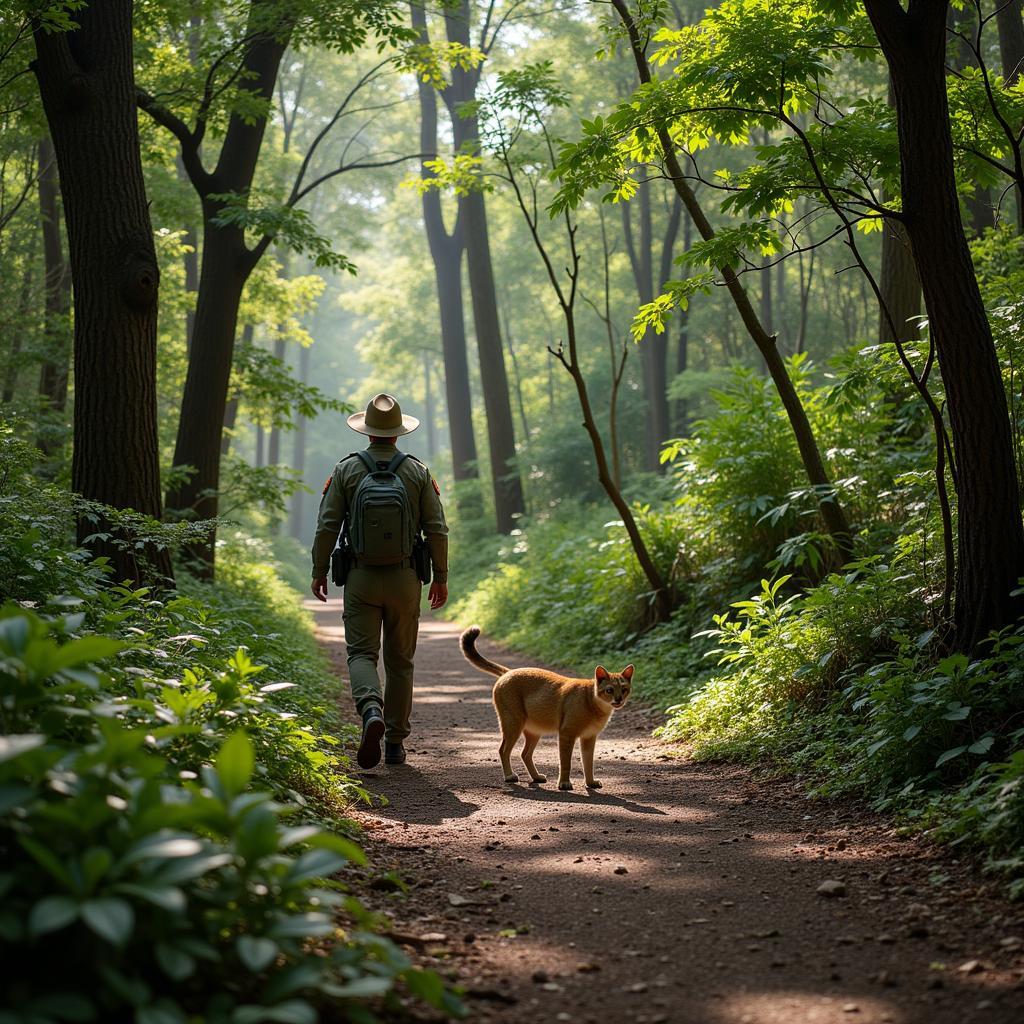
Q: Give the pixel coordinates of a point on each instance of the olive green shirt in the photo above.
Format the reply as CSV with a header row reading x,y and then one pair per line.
x,y
424,495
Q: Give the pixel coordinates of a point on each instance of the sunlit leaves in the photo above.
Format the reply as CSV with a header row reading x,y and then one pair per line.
x,y
461,176
432,61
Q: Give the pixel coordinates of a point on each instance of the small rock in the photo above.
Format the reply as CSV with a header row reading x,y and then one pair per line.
x,y
831,888
433,937
1011,942
588,968
886,940
851,1008
539,977
551,986
637,988
973,967
455,900
841,845
621,870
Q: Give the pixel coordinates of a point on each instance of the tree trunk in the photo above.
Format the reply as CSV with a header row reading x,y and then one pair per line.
x,y
900,286
53,373
1011,38
428,408
681,411
225,267
832,513
20,324
446,253
190,261
506,481
297,526
990,539
86,82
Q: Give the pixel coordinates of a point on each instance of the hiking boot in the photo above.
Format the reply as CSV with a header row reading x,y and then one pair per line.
x,y
394,753
368,755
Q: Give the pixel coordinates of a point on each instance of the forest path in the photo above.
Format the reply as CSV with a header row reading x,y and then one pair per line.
x,y
715,918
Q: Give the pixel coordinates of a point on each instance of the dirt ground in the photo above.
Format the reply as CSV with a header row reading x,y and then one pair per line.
x,y
680,893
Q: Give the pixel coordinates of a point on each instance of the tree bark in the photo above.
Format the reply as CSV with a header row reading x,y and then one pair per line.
x,y
1011,38
226,265
20,324
990,538
446,254
190,261
506,481
900,286
86,81
681,419
53,373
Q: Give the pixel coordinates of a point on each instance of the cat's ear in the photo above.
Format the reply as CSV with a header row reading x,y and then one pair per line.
x,y
627,672
601,673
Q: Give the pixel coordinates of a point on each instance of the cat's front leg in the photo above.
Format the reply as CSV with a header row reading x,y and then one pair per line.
x,y
587,746
566,742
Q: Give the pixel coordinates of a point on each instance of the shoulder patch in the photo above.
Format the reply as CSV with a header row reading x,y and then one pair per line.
x,y
436,486
327,485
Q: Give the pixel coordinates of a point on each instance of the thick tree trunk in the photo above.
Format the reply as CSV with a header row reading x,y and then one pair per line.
x,y
53,373
900,286
446,253
990,539
225,267
87,85
506,482
1011,38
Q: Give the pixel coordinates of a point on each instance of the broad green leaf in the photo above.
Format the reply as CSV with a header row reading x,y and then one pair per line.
x,y
110,918
51,914
949,755
256,952
236,762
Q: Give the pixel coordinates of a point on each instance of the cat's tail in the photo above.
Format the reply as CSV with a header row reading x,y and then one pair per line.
x,y
468,644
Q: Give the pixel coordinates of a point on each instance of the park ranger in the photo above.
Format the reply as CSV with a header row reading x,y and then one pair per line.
x,y
381,597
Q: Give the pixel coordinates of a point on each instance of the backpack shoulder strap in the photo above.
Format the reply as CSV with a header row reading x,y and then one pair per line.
x,y
396,460
367,460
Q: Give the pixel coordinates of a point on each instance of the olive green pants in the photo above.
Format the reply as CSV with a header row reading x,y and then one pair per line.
x,y
383,599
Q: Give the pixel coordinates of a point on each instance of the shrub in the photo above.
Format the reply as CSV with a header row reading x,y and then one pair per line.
x,y
167,878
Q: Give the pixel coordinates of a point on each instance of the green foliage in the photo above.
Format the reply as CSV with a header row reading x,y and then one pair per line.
x,y
168,765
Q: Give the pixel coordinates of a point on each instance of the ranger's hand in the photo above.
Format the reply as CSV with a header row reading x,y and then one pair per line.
x,y
319,588
438,594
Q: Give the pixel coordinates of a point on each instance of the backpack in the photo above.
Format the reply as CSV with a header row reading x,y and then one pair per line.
x,y
381,523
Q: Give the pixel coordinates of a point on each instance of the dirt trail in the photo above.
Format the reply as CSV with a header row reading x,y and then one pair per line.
x,y
680,893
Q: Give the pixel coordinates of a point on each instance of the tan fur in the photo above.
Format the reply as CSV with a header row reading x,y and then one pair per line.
x,y
533,702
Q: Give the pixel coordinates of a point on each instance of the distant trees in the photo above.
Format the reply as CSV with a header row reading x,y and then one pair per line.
x,y
86,81
470,235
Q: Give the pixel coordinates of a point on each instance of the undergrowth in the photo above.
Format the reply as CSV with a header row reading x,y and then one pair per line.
x,y
174,795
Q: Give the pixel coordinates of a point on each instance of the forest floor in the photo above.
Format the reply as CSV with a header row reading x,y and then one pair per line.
x,y
680,893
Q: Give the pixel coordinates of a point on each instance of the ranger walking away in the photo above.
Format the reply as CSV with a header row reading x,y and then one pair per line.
x,y
376,508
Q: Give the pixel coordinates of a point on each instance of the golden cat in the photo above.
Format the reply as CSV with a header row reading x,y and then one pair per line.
x,y
534,702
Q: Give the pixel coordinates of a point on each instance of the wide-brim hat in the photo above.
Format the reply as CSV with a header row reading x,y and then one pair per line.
x,y
383,418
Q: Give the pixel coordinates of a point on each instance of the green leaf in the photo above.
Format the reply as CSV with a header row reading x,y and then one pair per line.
x,y
173,962
982,746
88,649
14,746
256,952
949,755
911,732
51,914
165,897
236,762
110,918
164,1012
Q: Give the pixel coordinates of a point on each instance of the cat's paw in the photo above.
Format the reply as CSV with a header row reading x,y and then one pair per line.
x,y
565,785
512,778
540,778
593,784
